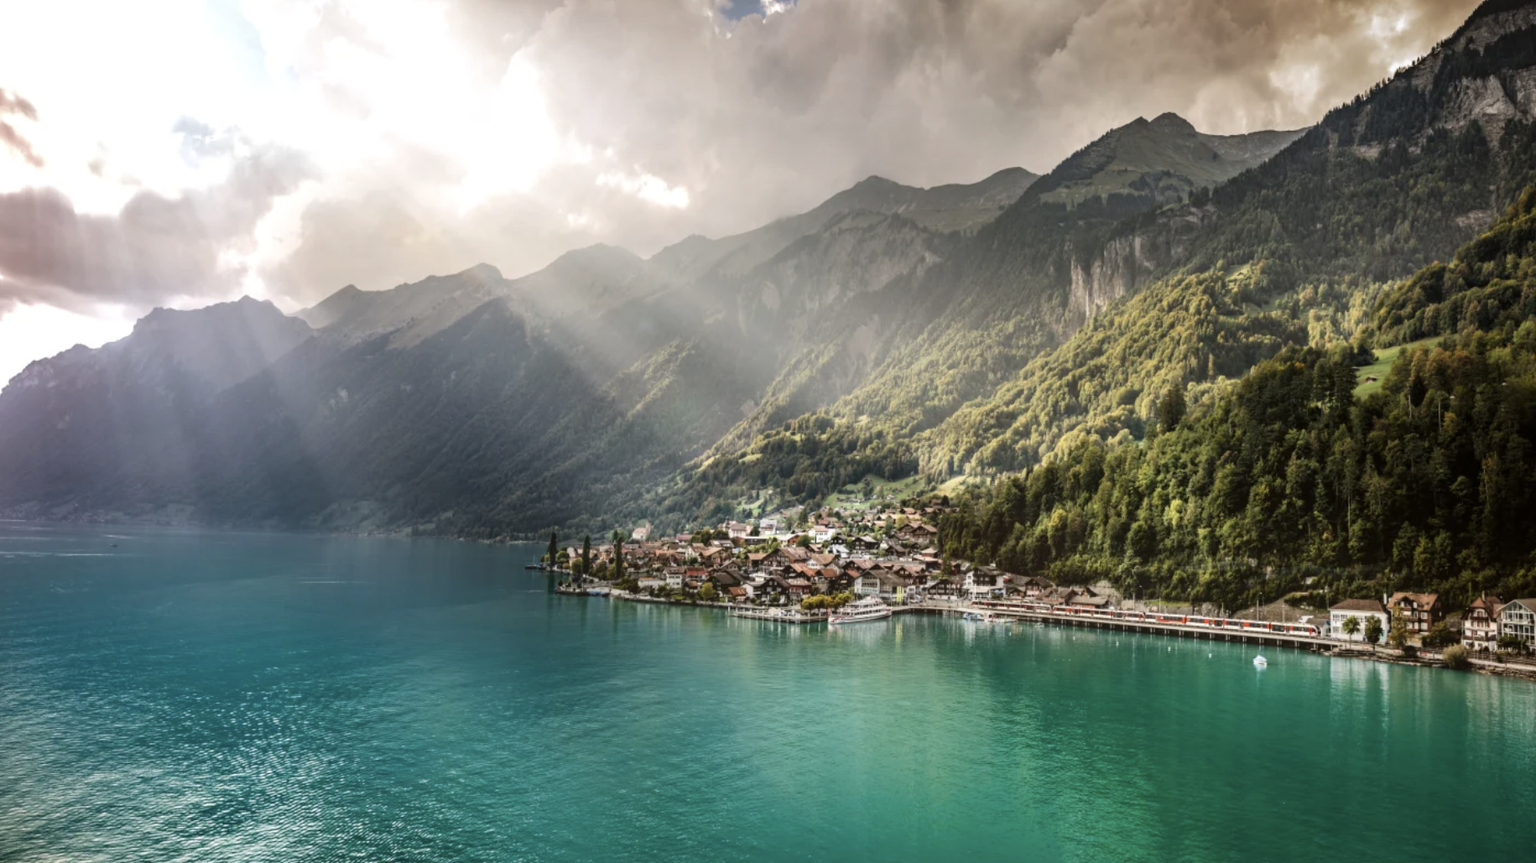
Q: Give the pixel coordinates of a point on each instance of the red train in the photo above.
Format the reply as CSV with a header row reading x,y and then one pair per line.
x,y
1236,624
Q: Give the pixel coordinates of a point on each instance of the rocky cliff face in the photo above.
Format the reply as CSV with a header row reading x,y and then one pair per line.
x,y
1132,259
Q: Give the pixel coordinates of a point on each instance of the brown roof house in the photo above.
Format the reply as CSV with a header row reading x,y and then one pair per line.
x,y
1480,624
1420,610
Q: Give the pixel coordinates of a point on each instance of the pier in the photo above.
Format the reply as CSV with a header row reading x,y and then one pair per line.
x,y
780,616
1177,630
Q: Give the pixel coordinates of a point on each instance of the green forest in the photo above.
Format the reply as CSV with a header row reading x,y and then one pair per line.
x,y
1287,481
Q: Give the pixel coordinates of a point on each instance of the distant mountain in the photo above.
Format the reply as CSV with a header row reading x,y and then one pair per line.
x,y
954,207
1293,252
124,427
1165,158
951,334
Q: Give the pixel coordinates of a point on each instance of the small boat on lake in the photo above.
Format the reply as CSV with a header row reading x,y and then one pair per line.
x,y
1260,662
868,608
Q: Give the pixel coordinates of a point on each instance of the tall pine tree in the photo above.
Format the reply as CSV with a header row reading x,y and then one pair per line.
x,y
551,555
586,554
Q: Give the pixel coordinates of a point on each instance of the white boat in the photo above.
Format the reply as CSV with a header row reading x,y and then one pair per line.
x,y
868,608
1260,662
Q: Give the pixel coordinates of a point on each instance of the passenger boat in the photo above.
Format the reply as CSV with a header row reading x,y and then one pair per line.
x,y
868,608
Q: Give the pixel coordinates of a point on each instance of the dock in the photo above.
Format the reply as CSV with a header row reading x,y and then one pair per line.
x,y
780,615
1203,633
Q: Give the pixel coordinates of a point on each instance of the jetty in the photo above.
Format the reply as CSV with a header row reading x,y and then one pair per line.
x,y
780,615
1256,633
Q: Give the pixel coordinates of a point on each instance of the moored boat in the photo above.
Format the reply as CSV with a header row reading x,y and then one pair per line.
x,y
868,608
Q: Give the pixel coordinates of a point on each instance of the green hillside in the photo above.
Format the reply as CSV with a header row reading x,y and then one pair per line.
x,y
1287,481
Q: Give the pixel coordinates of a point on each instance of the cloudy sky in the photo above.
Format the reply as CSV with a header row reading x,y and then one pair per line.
x,y
183,152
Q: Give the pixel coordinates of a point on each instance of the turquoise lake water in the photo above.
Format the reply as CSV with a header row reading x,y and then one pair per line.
x,y
197,696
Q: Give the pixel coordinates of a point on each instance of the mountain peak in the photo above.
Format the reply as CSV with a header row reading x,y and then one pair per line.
x,y
1172,122
481,272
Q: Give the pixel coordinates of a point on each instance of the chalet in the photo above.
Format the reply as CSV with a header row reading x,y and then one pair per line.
x,y
837,582
1088,599
799,588
866,583
1517,618
822,534
768,525
1058,595
1035,585
917,531
894,587
771,588
736,593
863,543
943,588
882,583
737,530
985,582
1480,624
1362,610
1420,610
724,579
795,554
640,534
674,577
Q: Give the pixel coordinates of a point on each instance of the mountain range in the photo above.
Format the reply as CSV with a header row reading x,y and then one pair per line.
x,y
949,336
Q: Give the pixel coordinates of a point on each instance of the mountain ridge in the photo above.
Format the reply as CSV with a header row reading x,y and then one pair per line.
x,y
878,333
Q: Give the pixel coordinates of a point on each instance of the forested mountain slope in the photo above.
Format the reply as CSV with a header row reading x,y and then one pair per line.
x,y
1293,251
1425,484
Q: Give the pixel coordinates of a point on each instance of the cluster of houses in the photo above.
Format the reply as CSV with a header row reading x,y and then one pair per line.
x,y
888,555
782,559
1480,627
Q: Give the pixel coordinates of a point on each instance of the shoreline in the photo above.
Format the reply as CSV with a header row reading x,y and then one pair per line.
x,y
1343,650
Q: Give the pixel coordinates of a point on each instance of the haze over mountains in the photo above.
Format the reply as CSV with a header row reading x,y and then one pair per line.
x,y
951,333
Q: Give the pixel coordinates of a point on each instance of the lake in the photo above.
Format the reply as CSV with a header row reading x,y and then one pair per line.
x,y
187,695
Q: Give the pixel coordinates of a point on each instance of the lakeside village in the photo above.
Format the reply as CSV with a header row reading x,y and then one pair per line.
x,y
823,568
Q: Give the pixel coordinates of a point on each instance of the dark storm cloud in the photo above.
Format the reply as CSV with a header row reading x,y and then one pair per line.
x,y
10,138
156,248
762,115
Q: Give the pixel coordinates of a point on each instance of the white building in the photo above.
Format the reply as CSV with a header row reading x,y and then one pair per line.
x,y
1362,610
1518,618
985,583
822,534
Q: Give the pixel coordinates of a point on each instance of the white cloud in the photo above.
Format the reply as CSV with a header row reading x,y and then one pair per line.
x,y
440,134
646,187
